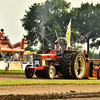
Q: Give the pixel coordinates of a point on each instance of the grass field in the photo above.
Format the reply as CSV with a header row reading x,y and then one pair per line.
x,y
12,72
49,81
9,82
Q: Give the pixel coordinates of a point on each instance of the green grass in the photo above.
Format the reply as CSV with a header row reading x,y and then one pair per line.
x,y
49,81
12,72
9,82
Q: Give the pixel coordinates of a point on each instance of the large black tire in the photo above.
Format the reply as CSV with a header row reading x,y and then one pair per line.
x,y
98,74
65,65
51,72
28,73
78,65
40,73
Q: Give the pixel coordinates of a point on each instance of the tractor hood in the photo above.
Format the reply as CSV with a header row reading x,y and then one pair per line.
x,y
40,59
43,56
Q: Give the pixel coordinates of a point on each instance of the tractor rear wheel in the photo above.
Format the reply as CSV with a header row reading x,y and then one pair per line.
x,y
28,73
78,65
65,65
51,72
98,74
40,73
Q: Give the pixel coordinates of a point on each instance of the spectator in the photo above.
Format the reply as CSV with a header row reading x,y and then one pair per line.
x,y
19,58
12,57
86,55
0,56
7,56
2,32
16,56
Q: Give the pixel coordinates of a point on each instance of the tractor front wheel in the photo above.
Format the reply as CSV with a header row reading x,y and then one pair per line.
x,y
51,72
28,73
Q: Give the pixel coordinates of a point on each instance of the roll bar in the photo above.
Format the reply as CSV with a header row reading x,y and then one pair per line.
x,y
63,39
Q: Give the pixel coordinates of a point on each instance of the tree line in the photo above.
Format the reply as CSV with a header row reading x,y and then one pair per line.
x,y
55,15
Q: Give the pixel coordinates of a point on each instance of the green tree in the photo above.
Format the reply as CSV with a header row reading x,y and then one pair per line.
x,y
55,15
35,50
87,19
96,29
29,48
93,55
77,47
99,55
46,18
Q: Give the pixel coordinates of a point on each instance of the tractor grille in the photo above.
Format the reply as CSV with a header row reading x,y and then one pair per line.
x,y
37,60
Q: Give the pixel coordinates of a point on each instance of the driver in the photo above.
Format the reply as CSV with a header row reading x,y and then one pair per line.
x,y
58,49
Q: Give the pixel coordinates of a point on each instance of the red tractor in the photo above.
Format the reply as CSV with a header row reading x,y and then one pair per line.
x,y
71,64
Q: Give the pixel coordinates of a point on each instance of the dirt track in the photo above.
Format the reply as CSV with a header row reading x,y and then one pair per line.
x,y
65,89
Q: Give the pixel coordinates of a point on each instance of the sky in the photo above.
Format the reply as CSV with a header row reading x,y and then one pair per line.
x,y
11,11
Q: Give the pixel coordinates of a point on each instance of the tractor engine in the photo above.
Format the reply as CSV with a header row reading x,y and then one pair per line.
x,y
37,60
42,60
